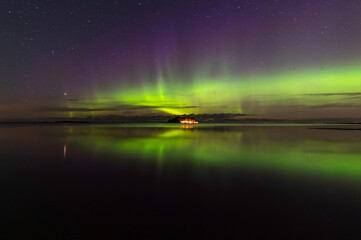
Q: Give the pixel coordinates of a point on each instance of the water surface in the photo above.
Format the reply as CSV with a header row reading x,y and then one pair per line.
x,y
167,180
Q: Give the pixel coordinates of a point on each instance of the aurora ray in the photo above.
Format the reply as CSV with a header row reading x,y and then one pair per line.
x,y
267,58
306,89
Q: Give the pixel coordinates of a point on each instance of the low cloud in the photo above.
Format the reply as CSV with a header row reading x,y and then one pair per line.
x,y
116,108
335,105
333,94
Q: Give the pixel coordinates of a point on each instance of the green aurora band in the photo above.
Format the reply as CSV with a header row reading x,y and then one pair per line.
x,y
231,94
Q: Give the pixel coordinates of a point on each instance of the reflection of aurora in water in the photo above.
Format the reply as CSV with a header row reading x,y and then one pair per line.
x,y
297,149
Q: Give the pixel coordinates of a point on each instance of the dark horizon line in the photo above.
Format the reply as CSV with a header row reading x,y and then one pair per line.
x,y
248,121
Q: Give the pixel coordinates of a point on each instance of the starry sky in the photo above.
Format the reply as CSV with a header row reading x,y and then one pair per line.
x,y
284,59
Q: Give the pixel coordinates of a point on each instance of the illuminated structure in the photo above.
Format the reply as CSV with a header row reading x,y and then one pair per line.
x,y
183,120
188,121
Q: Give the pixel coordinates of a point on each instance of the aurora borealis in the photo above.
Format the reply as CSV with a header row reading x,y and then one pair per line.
x,y
269,59
189,119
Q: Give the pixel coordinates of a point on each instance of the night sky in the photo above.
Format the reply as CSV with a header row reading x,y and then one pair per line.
x,y
268,58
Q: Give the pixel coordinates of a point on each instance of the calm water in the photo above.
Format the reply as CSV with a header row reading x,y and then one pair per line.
x,y
163,181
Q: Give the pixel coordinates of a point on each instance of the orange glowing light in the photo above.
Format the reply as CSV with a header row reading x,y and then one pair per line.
x,y
188,121
183,120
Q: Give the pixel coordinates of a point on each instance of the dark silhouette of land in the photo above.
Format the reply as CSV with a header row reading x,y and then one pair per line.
x,y
201,118
180,119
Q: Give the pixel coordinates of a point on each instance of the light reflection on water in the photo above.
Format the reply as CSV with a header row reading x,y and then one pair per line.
x,y
285,148
157,179
281,148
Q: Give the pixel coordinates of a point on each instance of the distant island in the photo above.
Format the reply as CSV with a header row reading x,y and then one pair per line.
x,y
183,120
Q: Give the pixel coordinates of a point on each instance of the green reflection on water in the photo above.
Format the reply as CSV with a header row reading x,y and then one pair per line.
x,y
281,148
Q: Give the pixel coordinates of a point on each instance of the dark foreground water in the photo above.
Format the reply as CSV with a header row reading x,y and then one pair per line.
x,y
161,181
